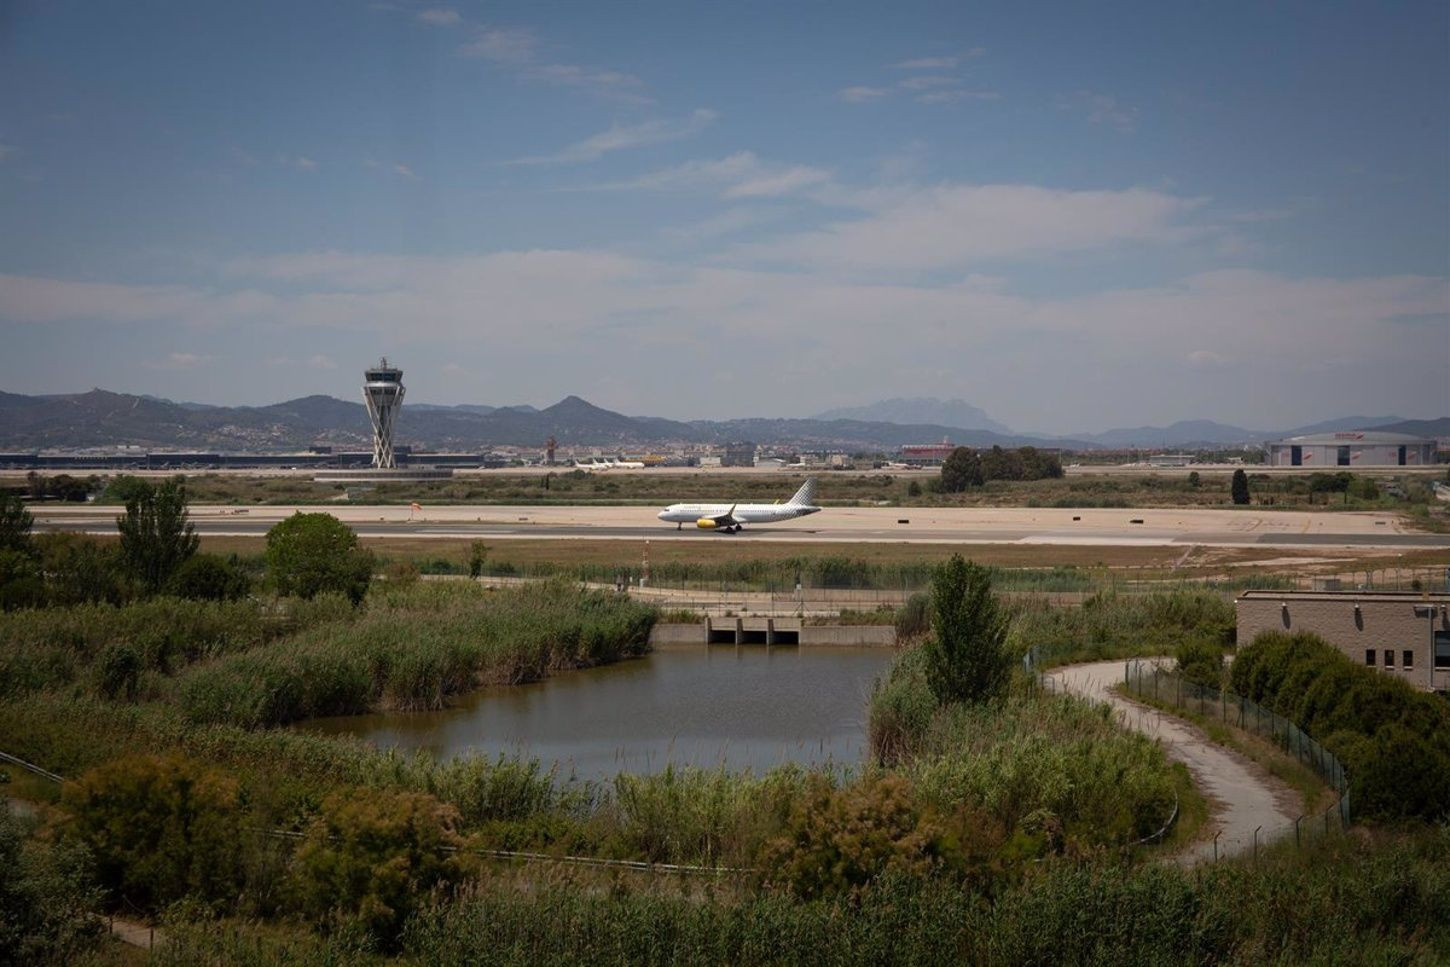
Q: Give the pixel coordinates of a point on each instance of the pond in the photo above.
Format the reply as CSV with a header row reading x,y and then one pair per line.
x,y
748,707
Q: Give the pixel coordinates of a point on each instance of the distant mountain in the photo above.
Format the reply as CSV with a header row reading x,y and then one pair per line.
x,y
101,419
1344,423
1184,433
919,411
1438,428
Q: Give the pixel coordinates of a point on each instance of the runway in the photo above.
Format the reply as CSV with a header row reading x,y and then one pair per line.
x,y
1025,526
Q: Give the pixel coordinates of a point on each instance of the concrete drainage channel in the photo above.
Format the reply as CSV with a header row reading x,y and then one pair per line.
x,y
771,631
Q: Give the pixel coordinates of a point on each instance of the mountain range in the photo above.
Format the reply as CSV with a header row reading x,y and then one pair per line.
x,y
104,419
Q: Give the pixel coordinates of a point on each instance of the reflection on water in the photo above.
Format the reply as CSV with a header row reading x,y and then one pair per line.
x,y
748,707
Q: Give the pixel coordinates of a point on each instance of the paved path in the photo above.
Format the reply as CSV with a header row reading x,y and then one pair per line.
x,y
1242,796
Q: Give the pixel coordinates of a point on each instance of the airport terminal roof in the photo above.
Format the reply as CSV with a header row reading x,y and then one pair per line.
x,y
1346,437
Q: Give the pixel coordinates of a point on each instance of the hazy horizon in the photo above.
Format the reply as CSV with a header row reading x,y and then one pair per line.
x,y
1072,218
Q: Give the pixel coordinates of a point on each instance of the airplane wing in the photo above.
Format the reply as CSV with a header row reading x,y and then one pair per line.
x,y
712,521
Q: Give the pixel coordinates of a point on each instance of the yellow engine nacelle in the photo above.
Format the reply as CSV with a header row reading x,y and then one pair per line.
x,y
706,523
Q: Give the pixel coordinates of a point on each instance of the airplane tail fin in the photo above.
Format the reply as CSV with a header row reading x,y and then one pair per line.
x,y
806,496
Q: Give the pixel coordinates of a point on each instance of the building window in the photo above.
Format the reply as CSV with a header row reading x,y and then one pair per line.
x,y
1389,658
1369,656
1343,456
1407,659
1442,649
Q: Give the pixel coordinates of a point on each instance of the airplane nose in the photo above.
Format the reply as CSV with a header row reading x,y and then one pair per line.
x,y
661,514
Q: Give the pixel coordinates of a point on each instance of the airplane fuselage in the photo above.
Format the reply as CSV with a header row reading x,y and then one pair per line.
x,y
744,513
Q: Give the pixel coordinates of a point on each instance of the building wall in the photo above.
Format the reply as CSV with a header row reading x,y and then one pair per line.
x,y
1325,456
1380,625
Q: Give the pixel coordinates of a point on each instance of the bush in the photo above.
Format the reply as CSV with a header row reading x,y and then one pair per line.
x,y
914,618
161,829
373,857
119,671
47,898
839,840
210,577
1393,740
1201,662
312,554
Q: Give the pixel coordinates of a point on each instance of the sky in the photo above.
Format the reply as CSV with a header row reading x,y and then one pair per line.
x,y
1075,216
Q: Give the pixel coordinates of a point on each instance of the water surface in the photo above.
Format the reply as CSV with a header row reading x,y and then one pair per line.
x,y
741,707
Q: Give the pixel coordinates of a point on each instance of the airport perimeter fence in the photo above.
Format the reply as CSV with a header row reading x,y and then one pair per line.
x,y
1154,681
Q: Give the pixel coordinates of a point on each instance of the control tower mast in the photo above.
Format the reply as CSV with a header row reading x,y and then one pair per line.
x,y
383,394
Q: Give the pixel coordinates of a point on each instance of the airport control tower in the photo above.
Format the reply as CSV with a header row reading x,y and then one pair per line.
x,y
383,394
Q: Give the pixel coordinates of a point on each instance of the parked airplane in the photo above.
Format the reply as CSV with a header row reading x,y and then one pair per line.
x,y
729,518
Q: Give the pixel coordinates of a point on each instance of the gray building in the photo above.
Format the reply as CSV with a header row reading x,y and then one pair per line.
x,y
1402,634
1351,449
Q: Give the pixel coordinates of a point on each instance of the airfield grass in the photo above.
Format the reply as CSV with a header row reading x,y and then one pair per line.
x,y
838,488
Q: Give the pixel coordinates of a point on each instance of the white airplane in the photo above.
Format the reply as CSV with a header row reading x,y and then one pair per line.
x,y
729,518
605,463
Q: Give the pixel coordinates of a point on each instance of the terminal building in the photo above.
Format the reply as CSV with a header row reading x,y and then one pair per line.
x,y
1357,448
1406,634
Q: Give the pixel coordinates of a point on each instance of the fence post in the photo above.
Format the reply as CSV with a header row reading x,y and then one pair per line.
x,y
1297,841
1215,844
1256,842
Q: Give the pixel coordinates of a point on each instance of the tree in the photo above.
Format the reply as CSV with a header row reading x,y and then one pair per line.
x,y
156,537
312,554
80,570
1240,487
477,554
961,469
913,489
967,659
210,577
374,856
15,524
21,583
160,829
1194,480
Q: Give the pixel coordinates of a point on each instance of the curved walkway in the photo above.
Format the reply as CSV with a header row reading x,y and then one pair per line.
x,y
1242,796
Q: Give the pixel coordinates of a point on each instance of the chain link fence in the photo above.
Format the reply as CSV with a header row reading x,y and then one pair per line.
x,y
1152,680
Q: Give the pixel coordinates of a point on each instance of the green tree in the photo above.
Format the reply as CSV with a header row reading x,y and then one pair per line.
x,y
156,536
477,555
15,524
1239,487
21,584
47,897
967,659
913,489
160,829
312,554
1194,480
210,577
80,570
373,857
961,469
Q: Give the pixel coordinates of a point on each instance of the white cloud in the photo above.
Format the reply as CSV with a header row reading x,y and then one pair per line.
x,y
812,332
861,94
741,175
622,137
929,64
401,169
440,17
1101,109
302,163
951,97
923,82
177,361
503,45
517,49
956,225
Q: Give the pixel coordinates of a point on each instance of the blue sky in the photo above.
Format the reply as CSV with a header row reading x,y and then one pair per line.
x,y
1074,216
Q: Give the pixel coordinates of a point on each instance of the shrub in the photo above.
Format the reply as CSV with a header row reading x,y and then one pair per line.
x,y
119,671
48,897
914,618
1201,662
839,840
312,554
21,583
210,577
160,829
1393,740
901,709
373,857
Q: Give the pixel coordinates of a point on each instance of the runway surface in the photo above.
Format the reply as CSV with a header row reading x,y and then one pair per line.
x,y
1027,526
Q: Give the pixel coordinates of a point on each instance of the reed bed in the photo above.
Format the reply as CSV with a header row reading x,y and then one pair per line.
x,y
413,648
